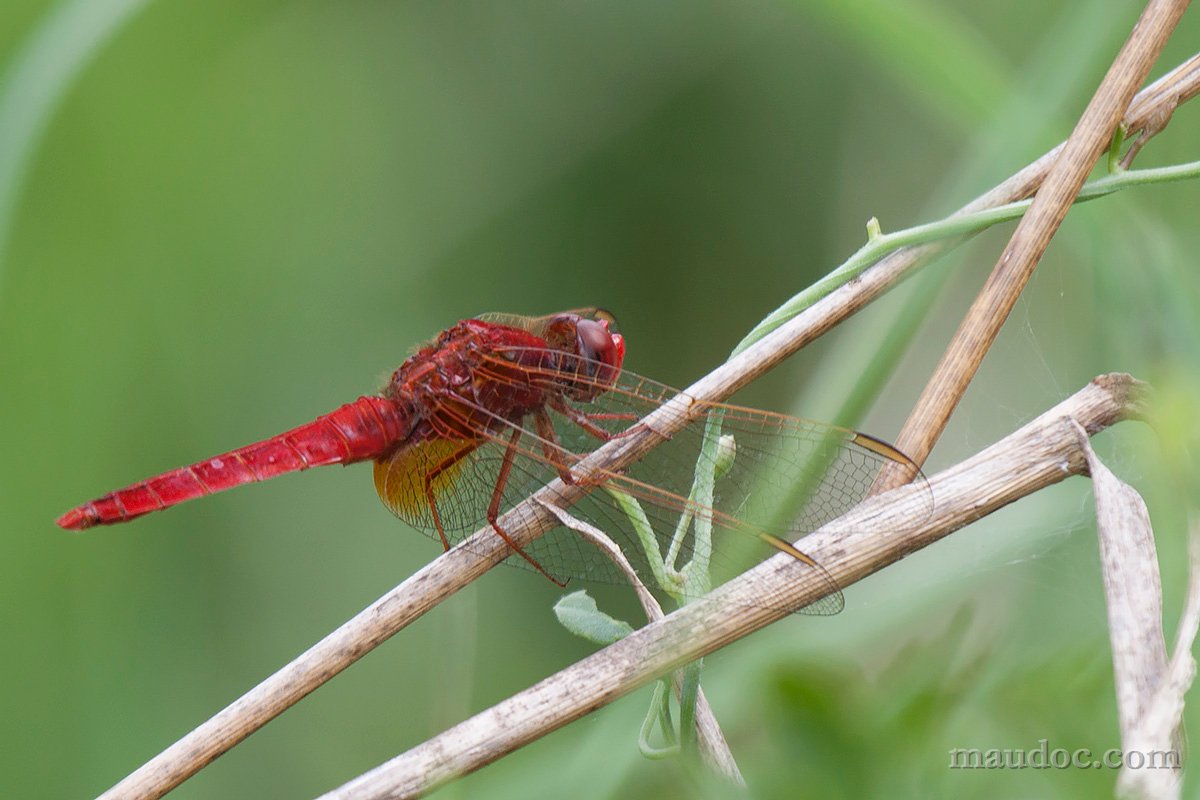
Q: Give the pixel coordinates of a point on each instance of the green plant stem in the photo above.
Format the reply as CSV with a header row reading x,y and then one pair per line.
x,y
659,714
880,245
687,707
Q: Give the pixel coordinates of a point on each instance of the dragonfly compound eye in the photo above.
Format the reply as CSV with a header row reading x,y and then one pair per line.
x,y
597,344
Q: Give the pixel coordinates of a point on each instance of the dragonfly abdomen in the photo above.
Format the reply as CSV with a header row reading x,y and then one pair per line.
x,y
367,428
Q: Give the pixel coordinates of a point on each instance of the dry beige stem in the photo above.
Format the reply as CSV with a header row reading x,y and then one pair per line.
x,y
709,738
878,532
1158,729
1132,588
1029,241
1149,689
613,551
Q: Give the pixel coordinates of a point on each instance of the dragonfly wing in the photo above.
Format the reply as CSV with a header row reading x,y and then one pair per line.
x,y
741,512
779,474
441,474
773,479
464,478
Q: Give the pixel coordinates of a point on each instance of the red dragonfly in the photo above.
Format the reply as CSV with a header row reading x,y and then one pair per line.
x,y
452,445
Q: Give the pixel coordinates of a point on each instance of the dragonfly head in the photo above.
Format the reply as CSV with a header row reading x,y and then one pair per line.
x,y
592,336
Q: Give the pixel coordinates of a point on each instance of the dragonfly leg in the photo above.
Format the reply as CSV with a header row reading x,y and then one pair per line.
x,y
431,476
551,448
493,511
553,451
581,419
584,421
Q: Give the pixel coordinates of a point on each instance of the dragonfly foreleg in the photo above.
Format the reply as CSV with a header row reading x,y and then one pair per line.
x,y
551,448
555,453
581,419
586,421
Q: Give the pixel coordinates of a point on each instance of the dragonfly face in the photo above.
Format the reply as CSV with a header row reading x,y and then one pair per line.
x,y
598,349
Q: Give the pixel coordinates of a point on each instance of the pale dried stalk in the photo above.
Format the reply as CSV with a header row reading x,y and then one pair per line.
x,y
614,553
868,538
457,568
1158,728
1032,236
1150,689
710,740
1132,589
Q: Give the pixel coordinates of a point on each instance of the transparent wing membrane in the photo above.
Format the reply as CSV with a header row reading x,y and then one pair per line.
x,y
764,480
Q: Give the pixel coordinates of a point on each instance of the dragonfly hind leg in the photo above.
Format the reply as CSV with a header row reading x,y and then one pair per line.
x,y
493,511
446,465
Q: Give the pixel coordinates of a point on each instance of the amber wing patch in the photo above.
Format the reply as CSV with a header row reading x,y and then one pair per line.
x,y
400,480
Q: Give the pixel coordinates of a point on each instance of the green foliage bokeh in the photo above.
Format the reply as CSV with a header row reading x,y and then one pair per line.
x,y
238,215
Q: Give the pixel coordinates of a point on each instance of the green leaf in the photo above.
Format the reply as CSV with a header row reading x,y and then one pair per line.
x,y
578,613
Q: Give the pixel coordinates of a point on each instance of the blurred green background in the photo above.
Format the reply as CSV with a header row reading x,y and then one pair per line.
x,y
220,219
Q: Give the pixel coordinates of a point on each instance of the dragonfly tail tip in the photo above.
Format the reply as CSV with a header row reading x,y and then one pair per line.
x,y
77,519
